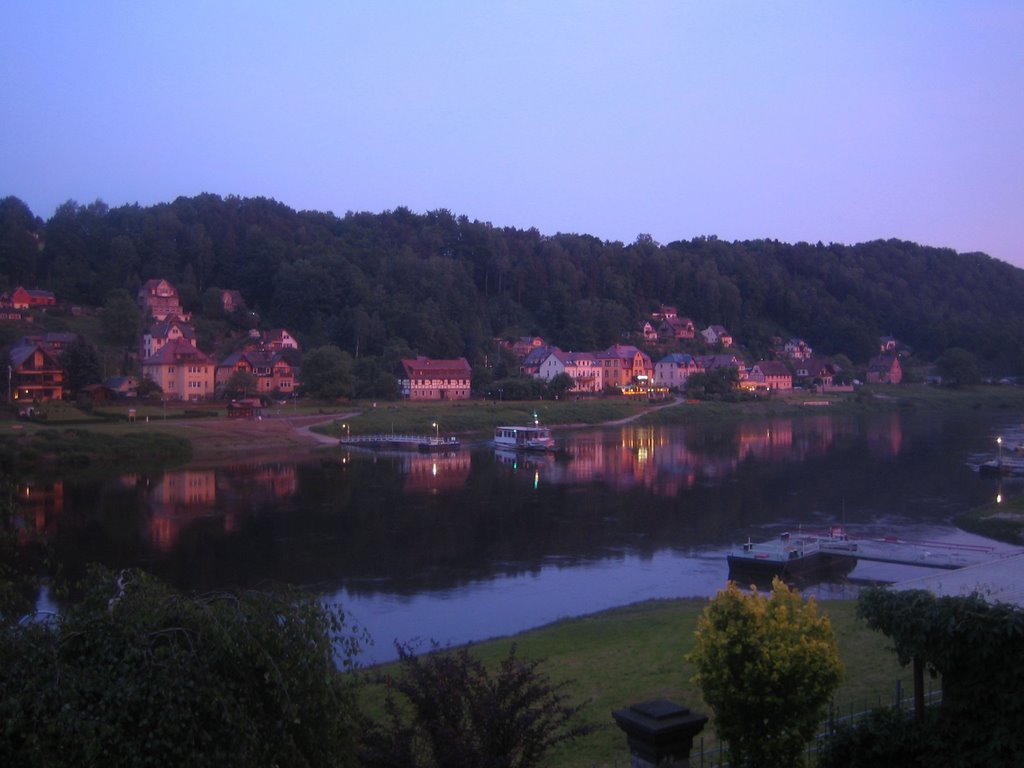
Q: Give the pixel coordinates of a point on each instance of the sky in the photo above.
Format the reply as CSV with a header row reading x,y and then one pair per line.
x,y
798,121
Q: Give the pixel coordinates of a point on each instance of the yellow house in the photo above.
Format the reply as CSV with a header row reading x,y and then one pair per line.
x,y
181,371
622,364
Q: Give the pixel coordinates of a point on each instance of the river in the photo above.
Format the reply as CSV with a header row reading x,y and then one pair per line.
x,y
464,546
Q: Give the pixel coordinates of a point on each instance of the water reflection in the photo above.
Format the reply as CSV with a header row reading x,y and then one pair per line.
x,y
411,533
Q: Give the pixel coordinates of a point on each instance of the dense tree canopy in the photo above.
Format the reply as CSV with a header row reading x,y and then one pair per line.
x,y
768,666
445,286
136,674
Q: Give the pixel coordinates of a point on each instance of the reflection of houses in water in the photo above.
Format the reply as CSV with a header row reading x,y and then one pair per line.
x,y
436,472
886,437
656,459
762,440
278,479
42,503
178,499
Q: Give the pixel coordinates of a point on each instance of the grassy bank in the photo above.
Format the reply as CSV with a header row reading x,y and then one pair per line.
x,y
638,653
68,449
1002,521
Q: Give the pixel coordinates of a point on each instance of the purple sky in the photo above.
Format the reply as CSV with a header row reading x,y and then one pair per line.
x,y
832,121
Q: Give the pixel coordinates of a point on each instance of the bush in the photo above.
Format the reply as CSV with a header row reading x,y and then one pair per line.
x,y
137,674
455,714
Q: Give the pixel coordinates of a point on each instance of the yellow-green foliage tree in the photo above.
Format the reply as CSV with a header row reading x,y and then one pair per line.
x,y
767,666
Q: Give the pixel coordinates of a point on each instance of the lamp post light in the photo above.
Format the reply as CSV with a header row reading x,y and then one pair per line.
x,y
437,431
348,431
999,442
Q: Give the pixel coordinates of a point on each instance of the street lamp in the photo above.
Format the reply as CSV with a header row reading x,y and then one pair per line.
x,y
437,431
348,431
999,442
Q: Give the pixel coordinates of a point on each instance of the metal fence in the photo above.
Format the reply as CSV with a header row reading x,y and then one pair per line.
x,y
712,753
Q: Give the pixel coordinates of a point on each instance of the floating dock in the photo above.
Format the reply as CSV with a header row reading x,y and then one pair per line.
x,y
1000,579
423,443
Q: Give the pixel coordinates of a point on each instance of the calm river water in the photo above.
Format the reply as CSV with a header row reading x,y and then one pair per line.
x,y
466,546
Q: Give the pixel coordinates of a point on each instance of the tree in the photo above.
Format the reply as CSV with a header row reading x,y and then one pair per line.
x,y
81,363
767,666
121,318
327,373
137,674
714,384
240,384
560,384
455,713
958,368
977,649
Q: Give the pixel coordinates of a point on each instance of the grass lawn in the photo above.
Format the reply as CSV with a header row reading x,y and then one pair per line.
x,y
637,653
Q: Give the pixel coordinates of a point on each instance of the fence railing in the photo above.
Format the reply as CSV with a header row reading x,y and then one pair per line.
x,y
712,753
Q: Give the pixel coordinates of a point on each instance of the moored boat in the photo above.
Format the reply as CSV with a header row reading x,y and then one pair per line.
x,y
795,556
524,438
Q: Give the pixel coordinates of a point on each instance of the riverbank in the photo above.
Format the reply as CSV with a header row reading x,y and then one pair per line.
x,y
636,653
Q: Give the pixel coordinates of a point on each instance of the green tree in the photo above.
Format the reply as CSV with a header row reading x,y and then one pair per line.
x,y
137,674
717,383
121,318
560,384
327,373
958,368
240,384
767,666
81,363
978,650
452,712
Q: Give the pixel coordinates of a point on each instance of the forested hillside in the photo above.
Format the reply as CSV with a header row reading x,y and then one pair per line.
x,y
438,284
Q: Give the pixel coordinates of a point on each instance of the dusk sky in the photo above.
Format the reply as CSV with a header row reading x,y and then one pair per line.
x,y
801,121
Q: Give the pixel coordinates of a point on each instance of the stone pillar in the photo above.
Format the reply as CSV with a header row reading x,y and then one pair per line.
x,y
659,733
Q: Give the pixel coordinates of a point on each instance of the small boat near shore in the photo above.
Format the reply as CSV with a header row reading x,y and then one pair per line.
x,y
524,438
795,557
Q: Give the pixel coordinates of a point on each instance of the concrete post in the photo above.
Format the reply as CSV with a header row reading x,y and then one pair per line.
x,y
659,733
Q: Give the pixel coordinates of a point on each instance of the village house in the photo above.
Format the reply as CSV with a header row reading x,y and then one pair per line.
x,y
623,364
162,333
676,329
664,313
30,298
797,349
181,371
524,345
581,367
771,374
530,365
55,342
123,386
648,332
35,375
8,311
673,371
884,369
711,362
158,299
278,340
716,334
272,373
423,378
815,372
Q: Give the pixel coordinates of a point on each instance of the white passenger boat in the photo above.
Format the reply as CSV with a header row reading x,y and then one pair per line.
x,y
524,438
